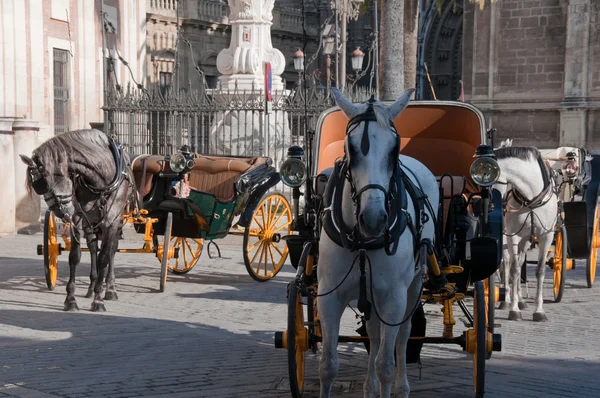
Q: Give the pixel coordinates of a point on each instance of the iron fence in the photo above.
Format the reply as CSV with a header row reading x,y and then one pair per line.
x,y
216,121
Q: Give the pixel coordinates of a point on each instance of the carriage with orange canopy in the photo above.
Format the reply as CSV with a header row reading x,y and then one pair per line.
x,y
450,139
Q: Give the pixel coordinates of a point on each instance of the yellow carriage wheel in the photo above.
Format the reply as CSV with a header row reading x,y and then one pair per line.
x,y
296,341
264,250
51,250
481,335
593,257
489,287
559,264
189,253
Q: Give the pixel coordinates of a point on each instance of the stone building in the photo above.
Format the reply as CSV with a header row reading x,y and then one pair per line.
x,y
533,67
51,81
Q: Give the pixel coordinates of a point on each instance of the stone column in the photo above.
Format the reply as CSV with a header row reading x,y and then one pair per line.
x,y
573,112
7,178
242,131
27,209
242,64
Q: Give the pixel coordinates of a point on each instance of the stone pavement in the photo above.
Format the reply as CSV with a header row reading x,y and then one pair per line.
x,y
211,335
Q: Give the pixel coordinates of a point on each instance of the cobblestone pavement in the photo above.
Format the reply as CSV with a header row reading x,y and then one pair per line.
x,y
211,335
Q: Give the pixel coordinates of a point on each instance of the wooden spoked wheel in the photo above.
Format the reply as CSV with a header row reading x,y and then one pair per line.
x,y
593,256
51,250
481,334
164,259
559,263
489,287
297,341
264,250
189,253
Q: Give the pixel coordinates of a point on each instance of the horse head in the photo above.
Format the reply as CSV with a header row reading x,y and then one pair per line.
x,y
371,150
49,177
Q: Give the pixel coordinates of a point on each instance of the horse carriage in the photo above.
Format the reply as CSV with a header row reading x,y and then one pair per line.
x,y
576,177
449,139
188,199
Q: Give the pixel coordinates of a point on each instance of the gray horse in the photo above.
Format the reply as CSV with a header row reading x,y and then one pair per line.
x,y
85,179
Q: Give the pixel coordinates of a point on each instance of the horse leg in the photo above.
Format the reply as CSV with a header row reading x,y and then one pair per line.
x,y
74,259
111,291
92,243
514,314
108,239
402,388
371,386
522,257
506,257
331,309
540,273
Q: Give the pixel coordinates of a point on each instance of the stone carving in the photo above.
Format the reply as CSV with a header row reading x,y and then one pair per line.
x,y
225,61
267,13
241,9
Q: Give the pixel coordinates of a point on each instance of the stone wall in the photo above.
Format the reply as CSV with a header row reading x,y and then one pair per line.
x,y
532,67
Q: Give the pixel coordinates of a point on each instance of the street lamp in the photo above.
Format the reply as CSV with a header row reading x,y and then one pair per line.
x,y
299,64
357,63
328,49
357,60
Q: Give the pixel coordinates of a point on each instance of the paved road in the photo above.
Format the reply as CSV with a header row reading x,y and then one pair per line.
x,y
211,335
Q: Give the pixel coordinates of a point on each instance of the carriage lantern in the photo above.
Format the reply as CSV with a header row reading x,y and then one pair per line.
x,y
182,160
293,169
570,167
485,170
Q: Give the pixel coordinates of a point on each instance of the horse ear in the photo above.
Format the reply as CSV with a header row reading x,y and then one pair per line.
x,y
27,160
397,107
344,103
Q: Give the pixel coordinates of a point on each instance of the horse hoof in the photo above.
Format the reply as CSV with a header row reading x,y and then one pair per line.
x,y
71,306
90,293
515,316
539,317
522,305
503,305
111,295
98,307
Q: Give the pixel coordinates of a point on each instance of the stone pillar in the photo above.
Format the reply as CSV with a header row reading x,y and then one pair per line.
x,y
244,130
7,178
242,64
27,207
573,112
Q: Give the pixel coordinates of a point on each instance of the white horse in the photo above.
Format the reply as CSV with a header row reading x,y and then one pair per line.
x,y
527,184
393,282
506,143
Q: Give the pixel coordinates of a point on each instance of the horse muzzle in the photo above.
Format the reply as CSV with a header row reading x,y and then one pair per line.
x,y
372,223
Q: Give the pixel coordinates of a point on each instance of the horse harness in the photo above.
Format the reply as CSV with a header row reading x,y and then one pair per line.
x,y
537,201
59,203
396,202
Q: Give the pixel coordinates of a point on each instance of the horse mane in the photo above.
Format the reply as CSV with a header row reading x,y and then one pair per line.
x,y
521,152
59,151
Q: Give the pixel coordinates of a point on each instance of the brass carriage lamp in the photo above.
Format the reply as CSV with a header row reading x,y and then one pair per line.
x,y
182,161
485,170
293,169
570,167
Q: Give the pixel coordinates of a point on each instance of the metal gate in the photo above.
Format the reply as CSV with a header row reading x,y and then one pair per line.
x,y
61,91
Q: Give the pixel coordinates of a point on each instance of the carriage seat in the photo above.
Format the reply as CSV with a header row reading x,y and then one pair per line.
x,y
452,186
211,174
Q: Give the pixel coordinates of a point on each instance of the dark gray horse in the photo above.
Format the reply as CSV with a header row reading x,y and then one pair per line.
x,y
85,179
